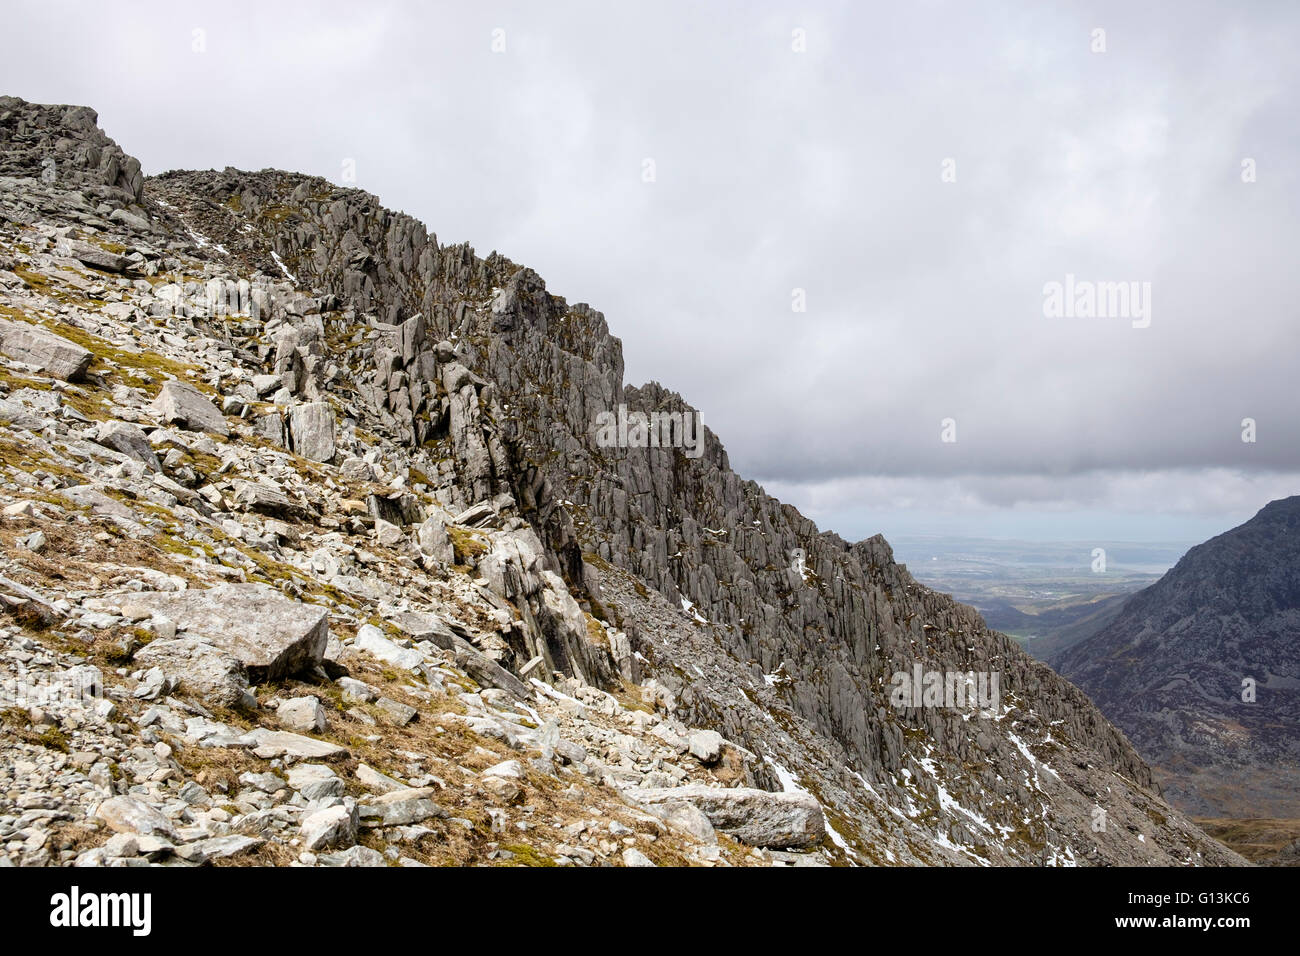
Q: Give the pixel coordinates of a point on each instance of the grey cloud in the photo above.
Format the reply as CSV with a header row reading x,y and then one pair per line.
x,y
820,171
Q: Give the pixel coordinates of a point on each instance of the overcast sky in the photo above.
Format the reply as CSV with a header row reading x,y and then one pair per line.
x,y
821,170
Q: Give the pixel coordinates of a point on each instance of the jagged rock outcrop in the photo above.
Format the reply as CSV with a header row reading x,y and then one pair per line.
x,y
64,145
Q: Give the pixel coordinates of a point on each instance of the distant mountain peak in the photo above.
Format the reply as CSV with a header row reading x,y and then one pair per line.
x,y
1173,666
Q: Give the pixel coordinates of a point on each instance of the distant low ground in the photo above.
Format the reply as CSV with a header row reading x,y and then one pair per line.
x,y
1047,595
1269,841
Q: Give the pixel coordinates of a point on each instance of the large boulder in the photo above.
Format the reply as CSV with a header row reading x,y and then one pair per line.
x,y
41,348
401,808
756,817
94,256
371,640
311,426
129,815
180,403
201,668
272,636
67,142
332,827
130,440
706,746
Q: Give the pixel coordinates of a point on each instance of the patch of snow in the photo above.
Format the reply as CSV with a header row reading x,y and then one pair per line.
x,y
1064,857
283,268
946,801
689,608
947,844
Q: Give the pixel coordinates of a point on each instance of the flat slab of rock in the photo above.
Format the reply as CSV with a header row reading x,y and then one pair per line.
x,y
94,256
217,848
180,403
50,353
271,635
757,817
269,744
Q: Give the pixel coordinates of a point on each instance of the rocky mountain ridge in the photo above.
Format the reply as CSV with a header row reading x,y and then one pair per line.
x,y
538,649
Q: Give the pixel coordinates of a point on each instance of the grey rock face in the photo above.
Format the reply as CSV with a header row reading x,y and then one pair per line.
x,y
434,540
270,635
588,608
44,350
476,359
